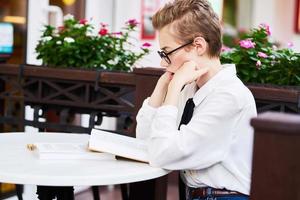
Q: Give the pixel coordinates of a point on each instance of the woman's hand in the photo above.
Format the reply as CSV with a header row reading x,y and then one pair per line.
x,y
188,73
160,90
165,79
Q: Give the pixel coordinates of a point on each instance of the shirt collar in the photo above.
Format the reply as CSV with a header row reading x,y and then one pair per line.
x,y
227,71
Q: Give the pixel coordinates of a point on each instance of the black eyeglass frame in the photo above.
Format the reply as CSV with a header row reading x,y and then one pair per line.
x,y
165,56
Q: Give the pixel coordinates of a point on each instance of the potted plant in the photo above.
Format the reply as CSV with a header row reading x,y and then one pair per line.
x,y
260,61
77,44
271,73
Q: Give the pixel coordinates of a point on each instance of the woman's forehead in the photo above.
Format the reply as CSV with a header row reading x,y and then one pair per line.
x,y
166,38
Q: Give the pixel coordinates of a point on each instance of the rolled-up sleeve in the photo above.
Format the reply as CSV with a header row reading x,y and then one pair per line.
x,y
204,141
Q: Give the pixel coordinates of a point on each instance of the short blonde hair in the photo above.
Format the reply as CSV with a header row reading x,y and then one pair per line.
x,y
192,18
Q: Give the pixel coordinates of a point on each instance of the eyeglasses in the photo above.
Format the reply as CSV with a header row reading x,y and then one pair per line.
x,y
165,55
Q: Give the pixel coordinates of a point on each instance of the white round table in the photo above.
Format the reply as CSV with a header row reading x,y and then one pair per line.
x,y
21,166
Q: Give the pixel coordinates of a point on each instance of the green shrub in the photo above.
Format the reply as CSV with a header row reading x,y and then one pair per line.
x,y
259,61
75,45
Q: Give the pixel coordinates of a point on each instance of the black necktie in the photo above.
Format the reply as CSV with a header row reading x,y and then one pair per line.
x,y
185,119
187,112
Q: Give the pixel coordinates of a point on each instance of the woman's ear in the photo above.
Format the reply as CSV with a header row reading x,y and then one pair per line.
x,y
201,45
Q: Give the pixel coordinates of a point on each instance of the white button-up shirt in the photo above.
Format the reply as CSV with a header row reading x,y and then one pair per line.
x,y
215,148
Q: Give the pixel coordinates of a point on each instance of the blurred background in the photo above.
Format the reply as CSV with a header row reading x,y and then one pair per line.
x,y
22,21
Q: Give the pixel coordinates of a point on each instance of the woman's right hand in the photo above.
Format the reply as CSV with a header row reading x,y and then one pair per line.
x,y
160,90
165,79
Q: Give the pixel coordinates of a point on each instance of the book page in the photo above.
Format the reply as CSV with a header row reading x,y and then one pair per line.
x,y
119,145
68,151
61,147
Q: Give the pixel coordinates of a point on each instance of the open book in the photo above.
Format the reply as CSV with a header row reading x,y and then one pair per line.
x,y
68,151
119,145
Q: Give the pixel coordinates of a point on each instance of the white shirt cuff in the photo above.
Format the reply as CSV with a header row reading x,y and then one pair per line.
x,y
167,111
146,112
147,107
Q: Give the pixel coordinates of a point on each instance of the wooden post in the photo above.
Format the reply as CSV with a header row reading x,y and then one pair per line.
x,y
1,103
276,159
146,79
155,189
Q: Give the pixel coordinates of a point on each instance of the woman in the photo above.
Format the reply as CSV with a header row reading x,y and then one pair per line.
x,y
211,141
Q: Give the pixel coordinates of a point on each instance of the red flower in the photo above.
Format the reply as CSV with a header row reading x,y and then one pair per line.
x,y
103,31
83,21
132,22
146,45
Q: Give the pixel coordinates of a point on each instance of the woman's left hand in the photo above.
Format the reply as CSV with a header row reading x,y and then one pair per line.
x,y
188,73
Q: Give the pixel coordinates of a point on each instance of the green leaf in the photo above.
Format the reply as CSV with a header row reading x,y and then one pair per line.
x,y
297,77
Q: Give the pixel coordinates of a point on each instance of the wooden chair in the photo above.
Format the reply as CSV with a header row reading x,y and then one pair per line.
x,y
276,163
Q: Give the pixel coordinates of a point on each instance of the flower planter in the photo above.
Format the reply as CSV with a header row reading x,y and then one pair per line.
x,y
267,97
103,93
276,98
70,91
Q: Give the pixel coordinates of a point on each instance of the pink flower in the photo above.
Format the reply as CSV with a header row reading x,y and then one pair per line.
x,y
258,64
266,27
247,44
290,44
117,33
83,21
262,55
146,45
103,31
225,49
132,22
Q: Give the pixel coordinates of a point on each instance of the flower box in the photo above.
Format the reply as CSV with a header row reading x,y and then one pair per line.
x,y
105,93
267,97
71,91
276,98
